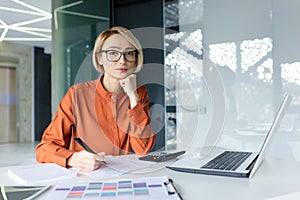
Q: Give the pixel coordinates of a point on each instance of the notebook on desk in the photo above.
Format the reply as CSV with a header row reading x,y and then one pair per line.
x,y
232,163
40,174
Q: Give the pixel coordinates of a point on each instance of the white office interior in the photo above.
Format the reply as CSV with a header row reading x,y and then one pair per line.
x,y
227,66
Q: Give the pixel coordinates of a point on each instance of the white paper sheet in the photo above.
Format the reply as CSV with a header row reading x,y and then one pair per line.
x,y
116,166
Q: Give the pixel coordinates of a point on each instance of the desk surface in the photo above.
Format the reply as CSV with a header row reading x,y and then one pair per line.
x,y
276,177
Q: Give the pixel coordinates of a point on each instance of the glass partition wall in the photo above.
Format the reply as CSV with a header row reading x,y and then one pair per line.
x,y
228,65
76,24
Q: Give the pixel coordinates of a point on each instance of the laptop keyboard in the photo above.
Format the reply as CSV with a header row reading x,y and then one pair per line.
x,y
228,160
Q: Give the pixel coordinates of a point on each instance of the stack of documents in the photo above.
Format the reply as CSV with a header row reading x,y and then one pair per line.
x,y
40,174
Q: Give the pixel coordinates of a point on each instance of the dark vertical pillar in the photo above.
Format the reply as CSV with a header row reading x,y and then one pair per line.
x,y
42,91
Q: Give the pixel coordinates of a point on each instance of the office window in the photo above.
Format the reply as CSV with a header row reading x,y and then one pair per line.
x,y
241,53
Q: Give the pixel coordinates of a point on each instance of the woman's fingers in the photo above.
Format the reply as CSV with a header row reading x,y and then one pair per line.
x,y
129,84
99,156
86,161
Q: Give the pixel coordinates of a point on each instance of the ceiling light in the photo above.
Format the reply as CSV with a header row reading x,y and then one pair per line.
x,y
36,34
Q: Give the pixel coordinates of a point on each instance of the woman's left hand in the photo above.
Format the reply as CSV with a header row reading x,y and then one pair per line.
x,y
129,84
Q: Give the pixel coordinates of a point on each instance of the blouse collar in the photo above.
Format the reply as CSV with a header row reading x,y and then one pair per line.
x,y
103,92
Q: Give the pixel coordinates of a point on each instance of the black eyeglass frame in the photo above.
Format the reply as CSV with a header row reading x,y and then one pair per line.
x,y
121,54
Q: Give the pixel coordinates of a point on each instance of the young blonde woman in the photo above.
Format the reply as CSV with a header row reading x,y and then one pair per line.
x,y
109,114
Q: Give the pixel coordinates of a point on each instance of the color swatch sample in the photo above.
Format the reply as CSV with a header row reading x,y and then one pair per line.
x,y
147,188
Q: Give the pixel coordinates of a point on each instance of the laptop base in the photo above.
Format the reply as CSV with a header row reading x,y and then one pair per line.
x,y
205,172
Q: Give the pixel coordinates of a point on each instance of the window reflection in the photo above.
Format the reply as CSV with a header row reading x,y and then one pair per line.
x,y
185,55
183,72
265,71
290,73
252,51
254,75
224,54
184,59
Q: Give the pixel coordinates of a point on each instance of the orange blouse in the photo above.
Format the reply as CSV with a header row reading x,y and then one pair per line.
x,y
103,120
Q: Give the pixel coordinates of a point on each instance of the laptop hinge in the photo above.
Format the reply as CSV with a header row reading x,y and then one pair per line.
x,y
250,167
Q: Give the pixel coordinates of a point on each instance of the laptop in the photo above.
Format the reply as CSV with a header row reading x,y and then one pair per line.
x,y
232,163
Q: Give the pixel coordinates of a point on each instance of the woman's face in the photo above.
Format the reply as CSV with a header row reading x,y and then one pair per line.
x,y
114,67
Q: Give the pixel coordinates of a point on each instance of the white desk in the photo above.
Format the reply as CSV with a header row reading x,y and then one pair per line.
x,y
275,177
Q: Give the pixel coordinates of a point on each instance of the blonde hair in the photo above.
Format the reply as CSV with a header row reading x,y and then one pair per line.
x,y
124,32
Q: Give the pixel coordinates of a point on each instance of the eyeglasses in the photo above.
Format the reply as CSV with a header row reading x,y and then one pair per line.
x,y
114,56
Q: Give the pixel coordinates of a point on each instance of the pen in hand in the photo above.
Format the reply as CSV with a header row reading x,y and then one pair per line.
x,y
87,148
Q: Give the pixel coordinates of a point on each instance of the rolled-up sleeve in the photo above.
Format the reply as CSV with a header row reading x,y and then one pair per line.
x,y
142,137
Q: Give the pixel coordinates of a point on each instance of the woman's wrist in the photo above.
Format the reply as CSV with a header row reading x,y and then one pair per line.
x,y
71,161
134,99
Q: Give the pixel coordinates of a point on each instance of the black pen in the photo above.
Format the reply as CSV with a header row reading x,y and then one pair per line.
x,y
86,147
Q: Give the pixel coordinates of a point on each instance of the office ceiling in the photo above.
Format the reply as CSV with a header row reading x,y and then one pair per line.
x,y
29,21
26,22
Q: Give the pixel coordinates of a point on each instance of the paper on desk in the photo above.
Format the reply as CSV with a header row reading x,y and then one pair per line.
x,y
150,188
116,166
40,173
